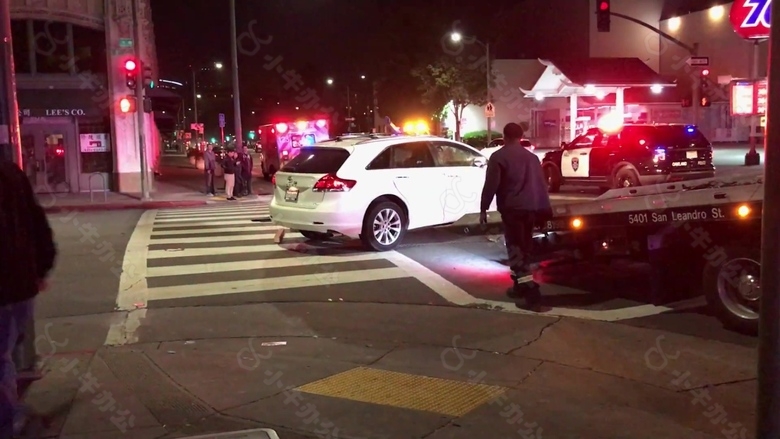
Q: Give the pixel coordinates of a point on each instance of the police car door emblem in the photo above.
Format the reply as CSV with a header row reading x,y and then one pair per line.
x,y
575,164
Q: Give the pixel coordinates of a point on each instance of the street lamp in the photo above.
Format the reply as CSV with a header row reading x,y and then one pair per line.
x,y
329,81
458,38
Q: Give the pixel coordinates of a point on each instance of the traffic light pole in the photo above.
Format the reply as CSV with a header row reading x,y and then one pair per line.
x,y
140,112
10,141
236,95
767,420
693,50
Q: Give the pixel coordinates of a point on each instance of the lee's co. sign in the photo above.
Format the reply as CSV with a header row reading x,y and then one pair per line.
x,y
52,112
751,18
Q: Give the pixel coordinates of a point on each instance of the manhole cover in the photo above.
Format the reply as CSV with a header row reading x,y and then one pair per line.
x,y
260,433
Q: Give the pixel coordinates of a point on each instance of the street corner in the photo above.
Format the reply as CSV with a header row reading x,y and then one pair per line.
x,y
573,410
80,394
229,373
672,361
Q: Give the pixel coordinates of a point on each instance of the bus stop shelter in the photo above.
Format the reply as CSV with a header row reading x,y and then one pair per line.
x,y
594,77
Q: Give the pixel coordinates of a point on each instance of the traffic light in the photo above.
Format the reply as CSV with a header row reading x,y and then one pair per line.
x,y
603,15
704,89
131,74
127,104
148,80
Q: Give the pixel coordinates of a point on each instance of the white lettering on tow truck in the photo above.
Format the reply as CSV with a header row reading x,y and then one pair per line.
x,y
696,215
717,213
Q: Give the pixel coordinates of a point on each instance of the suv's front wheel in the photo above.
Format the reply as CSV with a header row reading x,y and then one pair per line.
x,y
384,226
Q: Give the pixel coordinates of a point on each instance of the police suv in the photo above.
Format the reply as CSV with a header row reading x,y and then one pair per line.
x,y
632,155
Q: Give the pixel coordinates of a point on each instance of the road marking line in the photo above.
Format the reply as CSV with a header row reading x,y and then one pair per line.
x,y
195,225
206,219
188,252
204,239
223,213
221,267
215,209
132,283
275,283
458,296
255,227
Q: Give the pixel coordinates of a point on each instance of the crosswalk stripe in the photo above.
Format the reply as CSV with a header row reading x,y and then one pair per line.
x,y
213,212
220,267
222,214
189,252
195,225
254,228
252,237
275,283
208,218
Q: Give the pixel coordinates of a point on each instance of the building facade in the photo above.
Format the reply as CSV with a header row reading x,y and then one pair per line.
x,y
69,62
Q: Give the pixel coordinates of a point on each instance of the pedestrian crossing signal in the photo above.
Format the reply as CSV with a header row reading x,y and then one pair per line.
x,y
127,104
705,102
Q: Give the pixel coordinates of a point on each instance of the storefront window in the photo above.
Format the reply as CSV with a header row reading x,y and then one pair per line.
x,y
21,54
51,47
90,49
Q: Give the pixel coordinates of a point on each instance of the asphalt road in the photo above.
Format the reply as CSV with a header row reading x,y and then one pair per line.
x,y
214,256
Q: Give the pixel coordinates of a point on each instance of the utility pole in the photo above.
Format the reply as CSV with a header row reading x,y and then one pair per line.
x,y
767,421
236,96
195,101
139,101
10,138
489,97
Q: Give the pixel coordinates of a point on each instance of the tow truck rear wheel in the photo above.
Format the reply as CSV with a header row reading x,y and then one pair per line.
x,y
553,177
625,177
733,289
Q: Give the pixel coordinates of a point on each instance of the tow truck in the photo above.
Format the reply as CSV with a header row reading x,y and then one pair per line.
x,y
699,236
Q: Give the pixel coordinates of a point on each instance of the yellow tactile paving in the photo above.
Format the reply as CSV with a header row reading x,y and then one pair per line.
x,y
402,390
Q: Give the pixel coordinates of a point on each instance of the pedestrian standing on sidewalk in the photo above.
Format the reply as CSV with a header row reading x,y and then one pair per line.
x,y
246,168
229,165
27,255
210,167
239,190
516,180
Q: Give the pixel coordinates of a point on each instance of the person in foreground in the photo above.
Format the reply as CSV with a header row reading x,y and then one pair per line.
x,y
27,255
516,179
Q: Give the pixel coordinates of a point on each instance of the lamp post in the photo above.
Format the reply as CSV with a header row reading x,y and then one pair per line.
x,y
234,63
458,38
195,95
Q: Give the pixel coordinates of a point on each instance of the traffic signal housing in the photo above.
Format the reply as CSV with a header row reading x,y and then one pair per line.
x,y
603,15
131,74
704,89
148,80
127,104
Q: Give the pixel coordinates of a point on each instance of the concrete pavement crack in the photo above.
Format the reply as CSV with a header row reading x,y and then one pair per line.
x,y
381,357
439,428
541,333
712,386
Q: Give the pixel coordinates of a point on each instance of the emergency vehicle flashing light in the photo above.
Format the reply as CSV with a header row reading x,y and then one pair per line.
x,y
743,211
321,123
610,123
690,129
59,151
576,223
281,128
301,125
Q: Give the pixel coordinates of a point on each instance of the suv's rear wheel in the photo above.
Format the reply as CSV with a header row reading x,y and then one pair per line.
x,y
626,177
384,226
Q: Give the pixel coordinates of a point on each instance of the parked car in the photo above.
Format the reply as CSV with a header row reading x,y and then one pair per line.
x,y
377,188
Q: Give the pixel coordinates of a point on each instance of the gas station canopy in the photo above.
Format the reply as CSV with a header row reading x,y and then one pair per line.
x,y
593,77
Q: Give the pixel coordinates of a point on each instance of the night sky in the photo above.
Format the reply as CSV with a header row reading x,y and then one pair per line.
x,y
344,39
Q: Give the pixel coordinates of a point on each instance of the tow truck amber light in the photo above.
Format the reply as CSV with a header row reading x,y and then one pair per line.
x,y
743,211
331,183
576,223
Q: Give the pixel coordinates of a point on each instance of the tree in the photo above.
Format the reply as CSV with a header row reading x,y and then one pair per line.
x,y
449,81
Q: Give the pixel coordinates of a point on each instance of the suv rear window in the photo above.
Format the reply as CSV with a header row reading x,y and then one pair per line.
x,y
317,161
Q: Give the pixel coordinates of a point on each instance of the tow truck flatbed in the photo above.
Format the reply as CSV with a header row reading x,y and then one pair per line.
x,y
698,235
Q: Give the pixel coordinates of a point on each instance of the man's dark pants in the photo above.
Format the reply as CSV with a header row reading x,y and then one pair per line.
x,y
210,182
247,184
518,234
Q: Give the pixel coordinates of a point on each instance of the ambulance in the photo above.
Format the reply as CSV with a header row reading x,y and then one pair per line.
x,y
281,142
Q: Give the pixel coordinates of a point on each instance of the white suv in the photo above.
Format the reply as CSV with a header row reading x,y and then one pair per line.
x,y
377,187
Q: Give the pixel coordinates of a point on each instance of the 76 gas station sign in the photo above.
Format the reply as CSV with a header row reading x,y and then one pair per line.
x,y
751,18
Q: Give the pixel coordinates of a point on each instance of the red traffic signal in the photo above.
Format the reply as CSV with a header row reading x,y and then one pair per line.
x,y
130,65
705,72
604,6
131,74
603,16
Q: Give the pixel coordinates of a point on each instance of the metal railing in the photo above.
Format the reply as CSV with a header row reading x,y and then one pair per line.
x,y
105,187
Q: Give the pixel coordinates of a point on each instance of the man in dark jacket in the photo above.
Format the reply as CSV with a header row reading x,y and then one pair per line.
x,y
516,179
210,167
27,254
247,165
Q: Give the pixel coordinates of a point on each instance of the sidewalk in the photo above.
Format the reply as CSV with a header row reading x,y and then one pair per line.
x,y
352,370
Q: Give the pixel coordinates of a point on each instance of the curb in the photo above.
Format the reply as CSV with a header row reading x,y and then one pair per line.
x,y
124,206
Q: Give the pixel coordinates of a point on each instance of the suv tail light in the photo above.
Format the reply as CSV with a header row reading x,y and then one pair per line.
x,y
331,183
